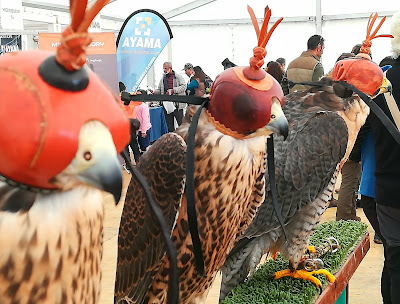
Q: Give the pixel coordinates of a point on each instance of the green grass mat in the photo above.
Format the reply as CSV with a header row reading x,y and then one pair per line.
x,y
262,289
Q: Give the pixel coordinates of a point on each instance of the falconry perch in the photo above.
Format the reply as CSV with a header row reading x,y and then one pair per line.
x,y
229,158
323,125
61,131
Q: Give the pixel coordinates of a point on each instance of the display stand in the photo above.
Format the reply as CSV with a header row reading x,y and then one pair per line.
x,y
333,291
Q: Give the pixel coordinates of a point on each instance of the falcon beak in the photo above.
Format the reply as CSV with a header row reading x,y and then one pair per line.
x,y
278,123
385,87
105,175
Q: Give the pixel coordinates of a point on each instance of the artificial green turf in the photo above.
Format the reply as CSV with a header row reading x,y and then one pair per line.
x,y
262,289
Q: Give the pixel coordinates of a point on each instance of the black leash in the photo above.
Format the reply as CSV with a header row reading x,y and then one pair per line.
x,y
292,83
190,184
189,99
190,195
272,182
173,282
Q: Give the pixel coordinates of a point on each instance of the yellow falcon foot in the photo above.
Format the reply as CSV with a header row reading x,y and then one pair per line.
x,y
311,249
305,275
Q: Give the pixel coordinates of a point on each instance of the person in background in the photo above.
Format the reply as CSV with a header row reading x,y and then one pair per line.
x,y
207,83
274,69
226,63
387,177
172,84
188,68
196,86
135,123
346,202
351,172
282,63
367,184
308,66
142,112
356,49
133,143
386,62
342,56
126,105
284,82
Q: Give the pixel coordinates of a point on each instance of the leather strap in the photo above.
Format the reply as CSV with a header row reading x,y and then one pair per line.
x,y
190,193
394,110
272,182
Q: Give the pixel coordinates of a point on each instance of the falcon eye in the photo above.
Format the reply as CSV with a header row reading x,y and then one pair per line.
x,y
87,155
273,116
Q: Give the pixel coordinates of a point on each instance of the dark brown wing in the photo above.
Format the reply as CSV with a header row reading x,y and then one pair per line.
x,y
140,242
307,159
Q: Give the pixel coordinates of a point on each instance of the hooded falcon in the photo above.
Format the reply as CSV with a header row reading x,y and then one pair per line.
x,y
323,125
229,158
58,153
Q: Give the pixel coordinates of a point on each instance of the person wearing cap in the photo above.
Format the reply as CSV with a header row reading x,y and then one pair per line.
x,y
172,84
189,71
282,63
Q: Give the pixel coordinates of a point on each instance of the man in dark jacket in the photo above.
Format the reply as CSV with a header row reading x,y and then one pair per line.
x,y
387,184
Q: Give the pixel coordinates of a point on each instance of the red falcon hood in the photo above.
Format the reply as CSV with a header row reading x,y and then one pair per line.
x,y
362,73
40,124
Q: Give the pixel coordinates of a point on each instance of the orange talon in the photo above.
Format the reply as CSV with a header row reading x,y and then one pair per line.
x,y
282,273
330,277
311,249
305,275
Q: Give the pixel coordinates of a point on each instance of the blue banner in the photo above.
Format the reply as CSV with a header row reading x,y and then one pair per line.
x,y
141,39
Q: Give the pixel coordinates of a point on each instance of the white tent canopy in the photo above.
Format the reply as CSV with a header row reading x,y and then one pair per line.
x,y
208,31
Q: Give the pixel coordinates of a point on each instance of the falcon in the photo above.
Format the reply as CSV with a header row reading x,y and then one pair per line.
x,y
51,241
61,131
324,122
322,132
229,161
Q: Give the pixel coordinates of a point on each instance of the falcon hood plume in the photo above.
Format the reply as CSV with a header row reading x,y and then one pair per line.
x,y
325,121
360,71
62,129
228,184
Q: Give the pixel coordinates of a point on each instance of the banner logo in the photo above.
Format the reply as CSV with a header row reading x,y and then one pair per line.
x,y
142,29
10,43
